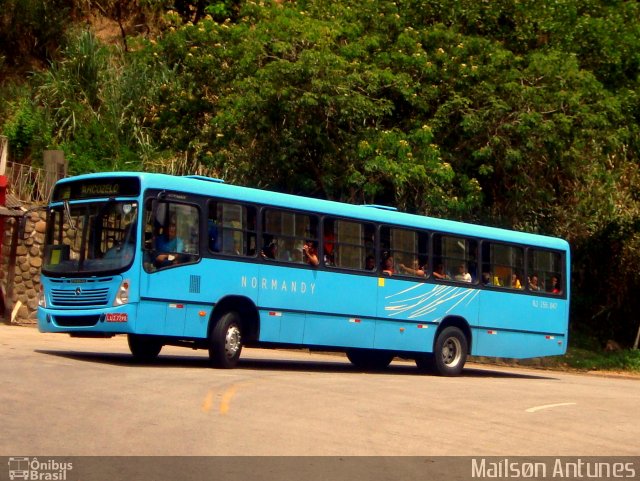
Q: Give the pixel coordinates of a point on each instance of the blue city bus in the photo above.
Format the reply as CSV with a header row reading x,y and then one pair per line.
x,y
192,261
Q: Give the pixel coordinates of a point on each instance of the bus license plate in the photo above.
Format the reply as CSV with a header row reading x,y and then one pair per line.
x,y
116,317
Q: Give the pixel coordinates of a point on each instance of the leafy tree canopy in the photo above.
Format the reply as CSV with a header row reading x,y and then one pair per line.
x,y
515,113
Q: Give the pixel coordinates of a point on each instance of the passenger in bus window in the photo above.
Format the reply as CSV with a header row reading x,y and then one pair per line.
x,y
486,279
370,263
310,253
388,266
168,245
270,250
515,282
462,275
439,272
329,245
533,283
415,270
555,285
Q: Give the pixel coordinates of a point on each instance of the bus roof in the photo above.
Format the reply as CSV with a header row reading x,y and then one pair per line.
x,y
206,186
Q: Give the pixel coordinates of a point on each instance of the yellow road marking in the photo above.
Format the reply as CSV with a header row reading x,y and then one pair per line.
x,y
208,402
226,399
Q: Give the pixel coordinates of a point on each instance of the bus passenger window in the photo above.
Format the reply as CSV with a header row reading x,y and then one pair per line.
x,y
290,237
543,269
404,252
231,229
174,235
353,244
503,264
455,258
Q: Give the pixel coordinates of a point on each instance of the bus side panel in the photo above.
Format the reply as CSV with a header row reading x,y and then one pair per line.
x,y
404,336
518,345
284,294
172,285
151,317
197,320
422,306
342,311
339,331
189,290
281,326
520,326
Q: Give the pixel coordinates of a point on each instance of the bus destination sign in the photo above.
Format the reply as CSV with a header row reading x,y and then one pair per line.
x,y
86,189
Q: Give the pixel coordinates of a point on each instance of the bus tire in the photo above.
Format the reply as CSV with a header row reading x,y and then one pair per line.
x,y
144,348
450,351
369,359
225,341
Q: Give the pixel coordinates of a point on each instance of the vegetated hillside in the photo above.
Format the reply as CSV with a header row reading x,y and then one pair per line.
x,y
521,114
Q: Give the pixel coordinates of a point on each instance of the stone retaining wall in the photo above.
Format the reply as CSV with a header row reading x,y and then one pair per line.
x,y
28,263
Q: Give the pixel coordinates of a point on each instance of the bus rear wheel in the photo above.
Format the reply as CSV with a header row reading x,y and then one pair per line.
x,y
369,360
450,351
225,341
144,348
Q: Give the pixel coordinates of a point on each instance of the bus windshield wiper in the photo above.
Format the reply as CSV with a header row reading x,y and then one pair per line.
x,y
67,213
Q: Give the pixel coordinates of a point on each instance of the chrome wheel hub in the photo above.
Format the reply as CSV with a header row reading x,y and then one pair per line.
x,y
451,351
232,341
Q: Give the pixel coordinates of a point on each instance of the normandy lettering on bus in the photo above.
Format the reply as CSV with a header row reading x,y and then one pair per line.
x,y
293,287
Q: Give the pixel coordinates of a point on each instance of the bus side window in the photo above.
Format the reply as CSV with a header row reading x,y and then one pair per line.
x,y
455,258
286,234
231,228
543,270
353,244
408,250
174,235
503,265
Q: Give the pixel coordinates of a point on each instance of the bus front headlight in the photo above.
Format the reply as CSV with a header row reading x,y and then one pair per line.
x,y
42,300
122,296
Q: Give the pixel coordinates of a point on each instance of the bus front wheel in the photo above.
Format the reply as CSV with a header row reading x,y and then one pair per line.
x,y
225,341
144,348
450,351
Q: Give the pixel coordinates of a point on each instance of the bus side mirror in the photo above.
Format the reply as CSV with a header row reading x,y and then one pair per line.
x,y
158,208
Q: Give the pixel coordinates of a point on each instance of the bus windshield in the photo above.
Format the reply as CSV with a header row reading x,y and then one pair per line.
x,y
90,238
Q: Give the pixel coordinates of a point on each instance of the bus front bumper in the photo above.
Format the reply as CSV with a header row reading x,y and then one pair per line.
x,y
114,320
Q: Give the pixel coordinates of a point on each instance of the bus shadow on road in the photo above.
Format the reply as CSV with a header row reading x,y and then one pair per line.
x,y
285,365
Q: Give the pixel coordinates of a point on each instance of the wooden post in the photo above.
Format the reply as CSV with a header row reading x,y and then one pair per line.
x,y
11,271
55,168
4,153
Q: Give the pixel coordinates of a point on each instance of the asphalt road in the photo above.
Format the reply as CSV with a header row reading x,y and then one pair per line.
x,y
61,396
